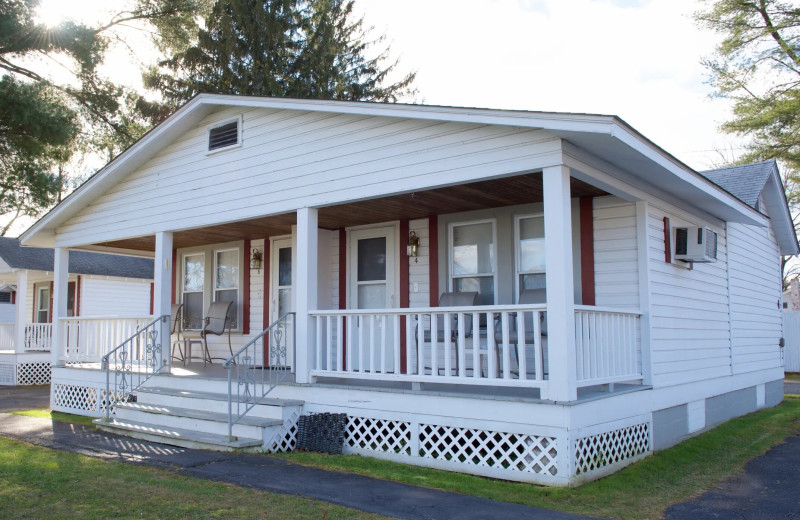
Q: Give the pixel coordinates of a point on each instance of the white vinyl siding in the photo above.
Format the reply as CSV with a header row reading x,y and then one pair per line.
x,y
616,265
114,297
419,267
755,279
294,158
690,332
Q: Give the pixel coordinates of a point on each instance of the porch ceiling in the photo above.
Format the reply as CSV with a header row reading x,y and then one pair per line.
x,y
506,191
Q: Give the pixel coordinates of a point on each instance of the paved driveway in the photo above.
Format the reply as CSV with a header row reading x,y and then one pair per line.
x,y
17,398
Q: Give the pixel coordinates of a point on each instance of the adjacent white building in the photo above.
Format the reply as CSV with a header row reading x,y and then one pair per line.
x,y
617,300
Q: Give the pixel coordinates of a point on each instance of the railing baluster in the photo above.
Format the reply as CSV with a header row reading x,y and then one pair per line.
x,y
460,345
447,358
350,333
384,334
504,338
491,348
409,348
522,347
396,332
339,343
477,364
434,344
420,341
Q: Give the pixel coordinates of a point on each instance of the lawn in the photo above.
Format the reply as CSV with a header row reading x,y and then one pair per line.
x,y
792,376
642,490
56,416
42,483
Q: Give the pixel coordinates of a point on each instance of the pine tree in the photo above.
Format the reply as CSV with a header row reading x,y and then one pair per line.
x,y
285,48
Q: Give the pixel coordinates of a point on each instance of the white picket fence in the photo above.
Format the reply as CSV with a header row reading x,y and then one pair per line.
x,y
791,335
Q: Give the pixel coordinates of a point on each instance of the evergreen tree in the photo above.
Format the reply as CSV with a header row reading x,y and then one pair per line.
x,y
43,121
757,66
289,48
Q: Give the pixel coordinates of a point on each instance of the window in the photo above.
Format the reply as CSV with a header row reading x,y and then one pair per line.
x,y
472,259
224,135
43,304
211,274
5,297
530,251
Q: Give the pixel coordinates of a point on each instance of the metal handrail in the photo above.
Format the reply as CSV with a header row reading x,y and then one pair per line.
x,y
252,383
124,357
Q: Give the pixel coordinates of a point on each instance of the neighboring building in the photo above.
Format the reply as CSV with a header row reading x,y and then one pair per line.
x,y
638,278
791,298
99,285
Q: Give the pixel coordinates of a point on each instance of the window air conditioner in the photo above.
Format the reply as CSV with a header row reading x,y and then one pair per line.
x,y
695,244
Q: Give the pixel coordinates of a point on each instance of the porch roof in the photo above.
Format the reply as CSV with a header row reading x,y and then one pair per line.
x,y
606,137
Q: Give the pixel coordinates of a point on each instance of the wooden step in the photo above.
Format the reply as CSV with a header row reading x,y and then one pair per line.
x,y
176,436
204,415
267,401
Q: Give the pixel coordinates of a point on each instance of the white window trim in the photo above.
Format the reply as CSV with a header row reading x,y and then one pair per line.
x,y
238,119
210,253
42,286
518,251
450,275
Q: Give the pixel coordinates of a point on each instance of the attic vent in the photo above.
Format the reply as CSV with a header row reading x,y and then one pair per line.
x,y
5,297
223,136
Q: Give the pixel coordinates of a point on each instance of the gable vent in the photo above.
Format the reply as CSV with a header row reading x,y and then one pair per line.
x,y
224,135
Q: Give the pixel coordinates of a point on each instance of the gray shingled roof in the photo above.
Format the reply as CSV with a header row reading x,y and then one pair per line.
x,y
80,262
745,182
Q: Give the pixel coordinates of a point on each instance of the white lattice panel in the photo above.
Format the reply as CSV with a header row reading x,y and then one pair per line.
x,y
33,373
603,449
287,438
509,451
78,399
379,435
8,374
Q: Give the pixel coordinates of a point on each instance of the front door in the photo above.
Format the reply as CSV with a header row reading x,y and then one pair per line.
x,y
372,279
282,293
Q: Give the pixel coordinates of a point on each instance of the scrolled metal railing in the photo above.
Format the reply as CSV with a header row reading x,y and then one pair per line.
x,y
258,367
133,362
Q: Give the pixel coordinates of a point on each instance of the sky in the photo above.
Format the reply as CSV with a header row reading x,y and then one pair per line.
x,y
636,59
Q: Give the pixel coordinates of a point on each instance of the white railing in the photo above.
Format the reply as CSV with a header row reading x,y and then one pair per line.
x,y
38,337
8,332
486,345
91,338
608,346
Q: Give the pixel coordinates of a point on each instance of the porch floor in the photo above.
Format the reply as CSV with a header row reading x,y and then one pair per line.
x,y
191,370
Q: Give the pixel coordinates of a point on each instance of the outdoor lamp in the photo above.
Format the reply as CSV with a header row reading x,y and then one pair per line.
x,y
255,260
413,244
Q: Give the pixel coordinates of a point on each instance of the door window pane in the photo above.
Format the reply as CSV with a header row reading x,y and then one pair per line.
x,y
371,260
372,296
473,249
194,267
43,306
70,300
531,244
227,270
285,266
284,301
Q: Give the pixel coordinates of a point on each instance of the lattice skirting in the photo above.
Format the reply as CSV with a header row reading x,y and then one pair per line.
x,y
78,399
8,374
604,452
33,373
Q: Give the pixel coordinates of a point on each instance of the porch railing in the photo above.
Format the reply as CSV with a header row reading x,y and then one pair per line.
x,y
503,345
258,367
38,336
485,345
608,345
8,332
91,338
131,364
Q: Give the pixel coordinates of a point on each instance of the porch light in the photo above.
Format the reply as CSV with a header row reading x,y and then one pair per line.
x,y
413,244
255,260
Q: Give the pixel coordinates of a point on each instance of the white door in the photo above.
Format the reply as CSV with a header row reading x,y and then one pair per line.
x,y
372,279
281,280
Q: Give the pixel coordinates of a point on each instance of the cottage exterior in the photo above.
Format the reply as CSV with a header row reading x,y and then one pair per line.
x,y
306,215
100,287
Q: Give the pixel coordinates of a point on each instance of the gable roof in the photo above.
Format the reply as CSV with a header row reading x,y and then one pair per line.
x,y
604,137
745,182
748,182
80,262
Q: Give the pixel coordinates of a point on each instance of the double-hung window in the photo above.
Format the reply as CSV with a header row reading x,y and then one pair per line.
x,y
211,274
473,259
530,252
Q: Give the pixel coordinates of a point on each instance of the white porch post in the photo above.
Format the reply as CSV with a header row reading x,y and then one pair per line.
x,y
306,291
162,290
60,290
559,284
22,311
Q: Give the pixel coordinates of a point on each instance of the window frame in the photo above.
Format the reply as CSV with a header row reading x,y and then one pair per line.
x,y
238,120
40,287
209,253
518,272
451,276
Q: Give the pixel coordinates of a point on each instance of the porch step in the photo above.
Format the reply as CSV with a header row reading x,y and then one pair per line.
x,y
175,436
266,408
215,396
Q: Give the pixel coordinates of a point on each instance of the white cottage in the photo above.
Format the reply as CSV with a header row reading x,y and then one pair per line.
x,y
99,287
542,297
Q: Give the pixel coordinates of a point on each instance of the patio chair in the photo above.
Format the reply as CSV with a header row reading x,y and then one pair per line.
x,y
526,297
215,323
451,299
176,331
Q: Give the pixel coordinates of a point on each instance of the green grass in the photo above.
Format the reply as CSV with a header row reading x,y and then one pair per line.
x,y
792,376
42,483
642,490
56,416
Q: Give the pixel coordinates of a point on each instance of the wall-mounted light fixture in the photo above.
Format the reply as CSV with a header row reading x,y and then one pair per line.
x,y
256,259
413,245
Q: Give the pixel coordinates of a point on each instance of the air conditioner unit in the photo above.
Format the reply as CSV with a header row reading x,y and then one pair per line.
x,y
695,244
